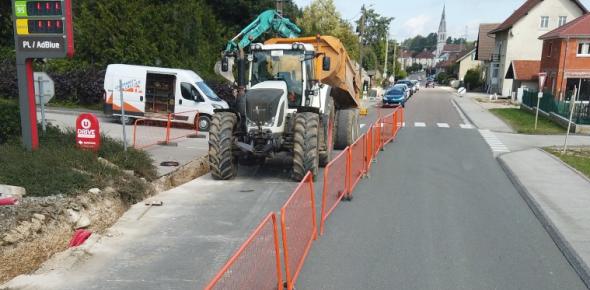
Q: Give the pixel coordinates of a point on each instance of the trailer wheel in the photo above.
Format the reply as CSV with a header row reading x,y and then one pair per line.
x,y
327,134
347,128
223,164
305,145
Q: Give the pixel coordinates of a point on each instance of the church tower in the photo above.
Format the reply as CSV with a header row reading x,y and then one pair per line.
x,y
442,34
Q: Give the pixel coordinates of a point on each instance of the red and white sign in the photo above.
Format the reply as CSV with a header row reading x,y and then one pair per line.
x,y
542,79
88,132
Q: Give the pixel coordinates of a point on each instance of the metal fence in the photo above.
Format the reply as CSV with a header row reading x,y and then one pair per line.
x,y
563,108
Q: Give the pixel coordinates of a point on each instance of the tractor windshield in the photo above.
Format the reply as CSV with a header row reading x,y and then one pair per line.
x,y
280,65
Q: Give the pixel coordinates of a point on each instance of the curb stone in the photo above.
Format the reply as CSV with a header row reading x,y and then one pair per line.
x,y
564,246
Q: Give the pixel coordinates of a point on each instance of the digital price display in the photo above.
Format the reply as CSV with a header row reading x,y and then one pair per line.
x,y
44,8
46,26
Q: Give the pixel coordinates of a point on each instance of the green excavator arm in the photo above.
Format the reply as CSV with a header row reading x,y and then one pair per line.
x,y
266,21
269,20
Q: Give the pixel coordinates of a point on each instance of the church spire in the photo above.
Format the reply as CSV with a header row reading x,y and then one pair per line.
x,y
442,33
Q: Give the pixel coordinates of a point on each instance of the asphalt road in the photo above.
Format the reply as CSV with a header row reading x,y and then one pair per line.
x,y
437,213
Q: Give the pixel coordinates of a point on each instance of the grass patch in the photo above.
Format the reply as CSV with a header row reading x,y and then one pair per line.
x,y
58,167
576,157
524,122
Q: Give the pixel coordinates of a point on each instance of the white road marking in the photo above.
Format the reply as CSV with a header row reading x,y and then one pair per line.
x,y
419,124
463,117
495,144
403,124
443,125
363,125
466,126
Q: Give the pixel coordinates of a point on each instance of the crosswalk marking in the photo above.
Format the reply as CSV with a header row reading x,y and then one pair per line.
x,y
419,124
443,125
495,144
466,126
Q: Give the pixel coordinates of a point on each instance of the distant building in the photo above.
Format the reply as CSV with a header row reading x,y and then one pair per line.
x,y
406,59
467,62
425,58
517,38
566,59
484,53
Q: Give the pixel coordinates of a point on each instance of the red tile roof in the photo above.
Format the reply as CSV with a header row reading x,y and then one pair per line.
x,y
526,70
452,48
425,54
405,54
523,11
579,27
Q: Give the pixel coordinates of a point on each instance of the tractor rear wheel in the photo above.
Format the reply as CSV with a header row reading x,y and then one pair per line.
x,y
305,145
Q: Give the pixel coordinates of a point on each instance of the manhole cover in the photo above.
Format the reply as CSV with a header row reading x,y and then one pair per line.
x,y
170,164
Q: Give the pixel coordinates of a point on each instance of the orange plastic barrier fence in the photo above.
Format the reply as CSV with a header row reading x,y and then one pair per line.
x,y
148,132
256,264
178,128
358,162
298,227
369,152
388,129
376,138
336,184
165,128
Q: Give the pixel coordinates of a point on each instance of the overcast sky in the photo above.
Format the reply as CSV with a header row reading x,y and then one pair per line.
x,y
423,16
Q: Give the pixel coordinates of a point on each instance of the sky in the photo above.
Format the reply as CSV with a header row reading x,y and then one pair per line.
x,y
423,16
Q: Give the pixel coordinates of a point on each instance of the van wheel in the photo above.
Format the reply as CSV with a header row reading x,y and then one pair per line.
x,y
203,123
126,120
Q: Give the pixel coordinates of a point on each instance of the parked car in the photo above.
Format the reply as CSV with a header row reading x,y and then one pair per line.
x,y
410,85
416,84
396,96
154,92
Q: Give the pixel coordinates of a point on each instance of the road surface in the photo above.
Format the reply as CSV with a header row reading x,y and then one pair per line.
x,y
437,213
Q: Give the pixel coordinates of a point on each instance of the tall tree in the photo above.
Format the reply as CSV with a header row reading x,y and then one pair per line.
x,y
374,36
321,17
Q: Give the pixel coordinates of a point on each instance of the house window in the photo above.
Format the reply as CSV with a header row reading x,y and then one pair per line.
x,y
584,49
562,20
544,21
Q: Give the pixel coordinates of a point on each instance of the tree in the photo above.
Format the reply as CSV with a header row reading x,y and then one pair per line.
x,y
419,43
321,17
374,34
473,78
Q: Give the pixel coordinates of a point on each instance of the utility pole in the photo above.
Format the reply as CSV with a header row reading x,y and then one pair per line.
x,y
361,46
279,4
394,59
386,55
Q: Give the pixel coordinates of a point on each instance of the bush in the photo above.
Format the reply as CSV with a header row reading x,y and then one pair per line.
x,y
472,79
442,78
9,120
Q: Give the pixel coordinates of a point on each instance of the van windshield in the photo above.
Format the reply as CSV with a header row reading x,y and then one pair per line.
x,y
208,91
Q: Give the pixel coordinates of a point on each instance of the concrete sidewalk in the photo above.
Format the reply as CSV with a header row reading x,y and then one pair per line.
x,y
560,198
480,116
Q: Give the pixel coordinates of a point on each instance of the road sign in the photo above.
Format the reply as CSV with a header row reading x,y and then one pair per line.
x,y
47,86
88,132
542,79
42,29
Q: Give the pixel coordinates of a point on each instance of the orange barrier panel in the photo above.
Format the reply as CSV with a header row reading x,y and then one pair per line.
x,y
256,264
358,162
336,184
148,132
183,124
388,130
369,151
298,226
376,138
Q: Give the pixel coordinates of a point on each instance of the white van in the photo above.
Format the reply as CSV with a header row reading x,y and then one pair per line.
x,y
153,92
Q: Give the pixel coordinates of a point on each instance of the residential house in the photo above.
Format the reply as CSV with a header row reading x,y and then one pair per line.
x,y
467,62
566,59
517,38
484,51
425,58
406,59
524,74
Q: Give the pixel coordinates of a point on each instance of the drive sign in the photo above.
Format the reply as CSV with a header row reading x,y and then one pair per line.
x,y
88,132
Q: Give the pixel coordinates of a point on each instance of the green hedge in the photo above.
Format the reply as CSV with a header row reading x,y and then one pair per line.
x,y
9,120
